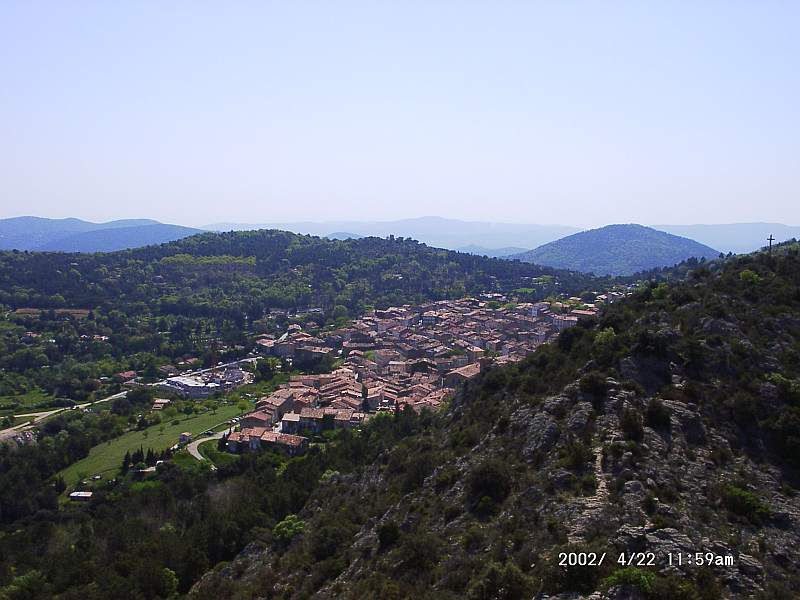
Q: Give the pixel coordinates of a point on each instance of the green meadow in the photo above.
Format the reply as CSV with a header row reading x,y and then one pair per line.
x,y
106,458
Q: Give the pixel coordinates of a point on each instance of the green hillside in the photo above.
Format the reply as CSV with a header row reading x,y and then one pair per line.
x,y
669,427
617,250
244,273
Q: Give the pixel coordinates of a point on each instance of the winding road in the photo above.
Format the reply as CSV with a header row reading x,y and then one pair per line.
x,y
193,446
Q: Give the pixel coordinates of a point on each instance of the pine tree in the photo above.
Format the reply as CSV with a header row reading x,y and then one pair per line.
x,y
126,463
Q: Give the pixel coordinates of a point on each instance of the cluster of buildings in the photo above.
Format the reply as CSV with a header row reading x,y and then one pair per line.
x,y
203,385
402,356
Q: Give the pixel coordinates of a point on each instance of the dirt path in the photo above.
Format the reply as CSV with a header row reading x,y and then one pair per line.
x,y
591,507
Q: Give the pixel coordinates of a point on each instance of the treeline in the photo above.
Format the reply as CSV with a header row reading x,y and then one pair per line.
x,y
241,274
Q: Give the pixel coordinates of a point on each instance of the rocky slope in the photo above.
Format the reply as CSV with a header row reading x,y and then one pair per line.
x,y
669,428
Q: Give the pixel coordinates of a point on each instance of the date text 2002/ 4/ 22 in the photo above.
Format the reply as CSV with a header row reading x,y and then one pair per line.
x,y
647,559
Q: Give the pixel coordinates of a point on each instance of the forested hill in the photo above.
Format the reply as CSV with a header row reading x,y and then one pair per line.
x,y
617,250
670,427
239,273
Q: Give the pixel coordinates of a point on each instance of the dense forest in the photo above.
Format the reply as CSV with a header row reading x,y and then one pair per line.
x,y
155,538
240,275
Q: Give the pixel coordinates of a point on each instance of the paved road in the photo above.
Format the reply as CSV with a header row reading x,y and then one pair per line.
x,y
192,447
42,415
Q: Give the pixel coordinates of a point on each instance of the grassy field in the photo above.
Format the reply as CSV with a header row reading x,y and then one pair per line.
x,y
209,451
27,402
257,390
106,458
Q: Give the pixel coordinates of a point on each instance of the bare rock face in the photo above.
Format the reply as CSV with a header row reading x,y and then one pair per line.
x,y
579,417
541,433
687,422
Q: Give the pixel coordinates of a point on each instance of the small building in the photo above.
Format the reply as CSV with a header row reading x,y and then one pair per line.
x,y
259,418
191,387
538,308
167,370
290,423
583,314
160,403
125,376
396,366
185,437
308,355
293,445
430,318
312,419
234,441
81,496
561,322
462,374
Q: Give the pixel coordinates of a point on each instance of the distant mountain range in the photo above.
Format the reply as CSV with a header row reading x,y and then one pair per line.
x,y
616,250
499,239
75,235
491,252
738,238
343,235
474,237
452,234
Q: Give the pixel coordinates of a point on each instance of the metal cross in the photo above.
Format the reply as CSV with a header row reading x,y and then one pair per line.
x,y
770,239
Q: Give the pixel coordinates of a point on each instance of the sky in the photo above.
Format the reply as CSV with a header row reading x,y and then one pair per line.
x,y
564,112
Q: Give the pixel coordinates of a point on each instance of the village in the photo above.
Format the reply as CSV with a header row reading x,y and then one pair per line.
x,y
407,356
402,357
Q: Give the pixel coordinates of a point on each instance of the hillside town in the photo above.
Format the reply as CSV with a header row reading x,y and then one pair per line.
x,y
406,356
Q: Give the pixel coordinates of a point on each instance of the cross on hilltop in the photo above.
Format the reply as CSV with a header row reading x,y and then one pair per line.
x,y
770,239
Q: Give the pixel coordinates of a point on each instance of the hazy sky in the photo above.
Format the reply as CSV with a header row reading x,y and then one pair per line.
x,y
551,112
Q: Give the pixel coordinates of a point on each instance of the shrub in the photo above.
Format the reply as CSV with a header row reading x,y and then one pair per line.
x,y
604,345
744,503
575,455
485,507
657,415
674,587
663,522
287,529
473,539
749,277
745,409
587,484
721,455
326,540
501,582
649,503
419,551
631,424
640,578
594,384
573,578
490,479
388,534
